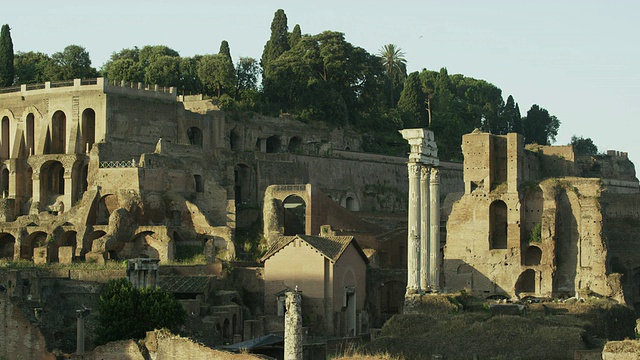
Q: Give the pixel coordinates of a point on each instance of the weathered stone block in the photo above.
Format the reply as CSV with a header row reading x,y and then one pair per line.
x,y
65,254
40,255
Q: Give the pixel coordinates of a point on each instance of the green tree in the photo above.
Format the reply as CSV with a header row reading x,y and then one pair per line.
x,y
511,116
247,72
126,69
189,81
539,126
164,70
7,70
30,67
150,53
278,43
73,62
395,66
583,146
213,71
412,102
295,36
127,313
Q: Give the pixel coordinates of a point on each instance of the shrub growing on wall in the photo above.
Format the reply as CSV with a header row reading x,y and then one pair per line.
x,y
128,313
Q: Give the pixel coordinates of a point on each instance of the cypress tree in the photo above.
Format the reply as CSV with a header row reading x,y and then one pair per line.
x,y
7,70
278,42
225,50
295,36
412,102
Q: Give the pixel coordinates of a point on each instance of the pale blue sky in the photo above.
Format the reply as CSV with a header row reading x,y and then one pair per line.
x,y
578,59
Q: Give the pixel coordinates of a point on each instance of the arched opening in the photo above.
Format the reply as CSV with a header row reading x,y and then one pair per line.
x,y
242,184
88,129
4,182
295,144
351,203
498,225
7,245
235,141
199,183
106,206
234,325
225,330
4,153
67,239
295,210
31,241
526,282
58,133
195,136
273,144
391,299
532,256
31,138
143,245
51,182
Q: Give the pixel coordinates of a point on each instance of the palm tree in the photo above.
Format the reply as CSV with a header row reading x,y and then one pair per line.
x,y
394,63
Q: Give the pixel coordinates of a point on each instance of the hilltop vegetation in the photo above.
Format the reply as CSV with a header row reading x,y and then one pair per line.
x,y
319,77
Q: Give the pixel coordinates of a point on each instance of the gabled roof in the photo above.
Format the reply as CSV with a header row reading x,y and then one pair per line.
x,y
330,247
185,284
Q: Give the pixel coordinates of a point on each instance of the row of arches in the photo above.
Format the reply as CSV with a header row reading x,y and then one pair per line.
x,y
270,145
55,136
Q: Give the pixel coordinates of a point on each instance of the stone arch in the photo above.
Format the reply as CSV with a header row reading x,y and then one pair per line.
x,y
31,133
51,181
68,238
38,238
526,282
195,136
391,298
106,205
79,183
273,144
243,184
532,256
226,330
88,240
6,138
58,144
143,245
235,141
498,225
234,324
295,210
88,129
351,202
295,144
7,246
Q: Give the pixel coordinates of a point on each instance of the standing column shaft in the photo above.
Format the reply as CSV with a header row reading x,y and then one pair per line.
x,y
434,254
293,327
413,246
424,227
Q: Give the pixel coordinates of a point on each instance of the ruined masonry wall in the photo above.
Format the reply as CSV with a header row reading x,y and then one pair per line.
x,y
19,339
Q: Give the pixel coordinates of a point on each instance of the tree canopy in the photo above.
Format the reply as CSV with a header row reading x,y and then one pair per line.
x,y
583,146
128,313
319,77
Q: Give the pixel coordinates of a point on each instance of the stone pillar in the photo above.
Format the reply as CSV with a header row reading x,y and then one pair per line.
x,y
424,227
293,327
434,255
413,245
81,315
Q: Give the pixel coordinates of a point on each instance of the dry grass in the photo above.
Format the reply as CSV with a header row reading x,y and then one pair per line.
x,y
549,331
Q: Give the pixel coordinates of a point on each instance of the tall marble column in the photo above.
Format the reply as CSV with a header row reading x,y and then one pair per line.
x,y
434,234
424,227
293,326
413,246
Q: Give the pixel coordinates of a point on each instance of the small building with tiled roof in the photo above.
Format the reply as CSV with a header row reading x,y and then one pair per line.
x,y
329,271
